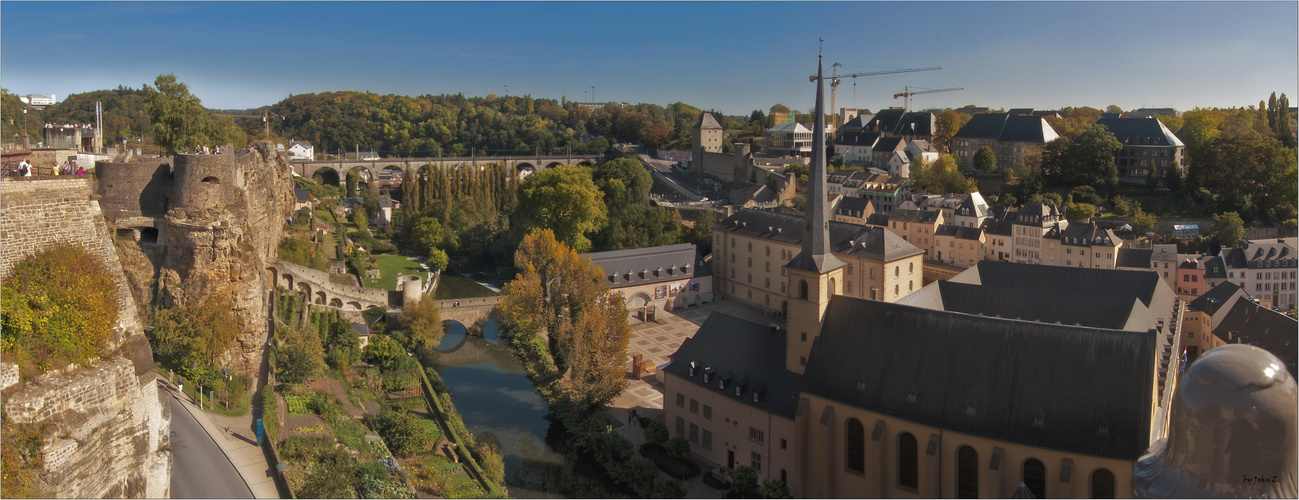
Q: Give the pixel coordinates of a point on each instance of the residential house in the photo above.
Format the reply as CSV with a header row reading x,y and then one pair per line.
x,y
1081,245
1190,277
300,150
1032,223
923,150
959,246
853,210
1163,260
1265,269
896,122
917,227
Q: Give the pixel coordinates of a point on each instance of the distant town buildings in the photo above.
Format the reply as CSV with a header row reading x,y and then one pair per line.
x,y
667,277
1147,144
301,150
1013,137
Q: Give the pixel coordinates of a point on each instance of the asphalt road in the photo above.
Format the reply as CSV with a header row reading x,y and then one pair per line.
x,y
199,469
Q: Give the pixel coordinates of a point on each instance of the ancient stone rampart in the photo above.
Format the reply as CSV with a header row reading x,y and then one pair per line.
x,y
134,189
111,430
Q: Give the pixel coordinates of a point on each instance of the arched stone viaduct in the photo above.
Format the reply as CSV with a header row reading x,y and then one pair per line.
x,y
523,165
321,291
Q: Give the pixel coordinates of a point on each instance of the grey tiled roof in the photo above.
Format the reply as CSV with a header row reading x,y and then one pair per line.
x,y
982,126
1132,131
1056,307
921,365
1269,330
742,352
707,122
1134,257
640,266
1215,298
850,239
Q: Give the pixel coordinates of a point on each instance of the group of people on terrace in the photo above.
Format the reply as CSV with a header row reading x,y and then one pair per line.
x,y
25,169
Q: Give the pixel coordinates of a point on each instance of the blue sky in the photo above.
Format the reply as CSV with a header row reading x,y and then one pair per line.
x,y
730,56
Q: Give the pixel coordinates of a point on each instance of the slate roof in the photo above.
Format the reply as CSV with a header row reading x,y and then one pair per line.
x,y
742,352
1000,227
1027,129
791,127
1211,301
1036,214
858,138
856,123
1278,252
982,126
1084,235
916,364
852,207
663,263
708,122
959,232
877,243
751,190
916,123
924,146
1108,312
889,144
1234,258
1214,267
1140,131
302,195
878,219
1143,285
1007,127
1269,330
1134,257
914,216
886,120
1020,111
973,206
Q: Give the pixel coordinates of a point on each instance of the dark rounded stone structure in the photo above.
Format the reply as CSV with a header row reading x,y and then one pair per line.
x,y
1231,434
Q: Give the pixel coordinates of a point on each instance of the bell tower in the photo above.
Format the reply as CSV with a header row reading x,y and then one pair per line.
x,y
815,274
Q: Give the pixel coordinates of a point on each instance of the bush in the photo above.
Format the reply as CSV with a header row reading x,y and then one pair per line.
x,y
656,433
744,480
679,468
678,447
400,431
270,414
60,304
371,245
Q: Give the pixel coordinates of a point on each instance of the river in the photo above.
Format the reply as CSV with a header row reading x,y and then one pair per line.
x,y
497,401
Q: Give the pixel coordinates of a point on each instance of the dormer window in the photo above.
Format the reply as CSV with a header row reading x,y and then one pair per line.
x,y
1103,429
1039,420
971,408
911,396
693,366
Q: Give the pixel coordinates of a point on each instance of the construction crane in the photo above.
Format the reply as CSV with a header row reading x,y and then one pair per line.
x,y
907,93
834,83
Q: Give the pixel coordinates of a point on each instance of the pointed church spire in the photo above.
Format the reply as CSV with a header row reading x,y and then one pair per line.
x,y
816,233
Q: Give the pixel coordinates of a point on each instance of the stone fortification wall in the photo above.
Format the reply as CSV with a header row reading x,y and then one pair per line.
x,y
112,429
134,189
225,221
318,281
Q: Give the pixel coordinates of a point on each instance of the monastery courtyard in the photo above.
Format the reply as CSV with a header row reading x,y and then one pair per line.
x,y
658,339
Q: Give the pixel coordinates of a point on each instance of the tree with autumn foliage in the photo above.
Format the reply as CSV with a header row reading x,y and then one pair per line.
x,y
564,295
655,134
59,306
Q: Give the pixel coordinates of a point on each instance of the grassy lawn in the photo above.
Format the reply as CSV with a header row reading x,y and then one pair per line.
x,y
329,245
452,286
389,266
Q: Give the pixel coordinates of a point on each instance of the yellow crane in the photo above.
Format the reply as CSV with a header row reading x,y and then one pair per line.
x,y
907,93
835,77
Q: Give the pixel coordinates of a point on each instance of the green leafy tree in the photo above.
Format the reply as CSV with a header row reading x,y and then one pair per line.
x,y
1142,221
179,120
656,433
1123,207
1092,158
352,179
1228,228
744,481
1173,178
985,160
382,351
1152,178
370,199
1080,212
678,447
197,333
942,176
775,488
360,218
563,199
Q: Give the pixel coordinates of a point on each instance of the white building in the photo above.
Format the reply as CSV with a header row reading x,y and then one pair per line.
x,y
37,100
300,150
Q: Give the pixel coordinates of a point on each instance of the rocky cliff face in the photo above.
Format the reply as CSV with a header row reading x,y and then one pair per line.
x,y
226,219
109,427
